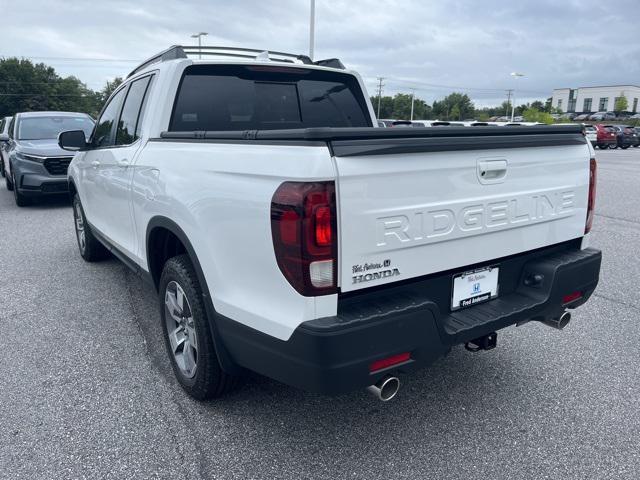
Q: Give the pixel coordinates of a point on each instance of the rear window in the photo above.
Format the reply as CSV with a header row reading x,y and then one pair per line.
x,y
227,98
590,129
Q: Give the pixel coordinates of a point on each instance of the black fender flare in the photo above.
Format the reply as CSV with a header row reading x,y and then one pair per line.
x,y
224,358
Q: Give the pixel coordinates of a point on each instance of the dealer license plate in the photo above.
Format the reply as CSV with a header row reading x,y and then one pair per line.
x,y
474,287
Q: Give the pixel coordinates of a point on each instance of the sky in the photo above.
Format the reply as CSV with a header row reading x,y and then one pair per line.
x,y
432,47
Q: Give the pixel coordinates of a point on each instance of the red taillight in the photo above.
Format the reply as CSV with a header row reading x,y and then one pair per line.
x,y
572,297
303,227
591,203
323,226
389,362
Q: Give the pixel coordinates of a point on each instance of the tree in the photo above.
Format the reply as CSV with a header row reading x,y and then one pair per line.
x,y
538,105
26,86
455,106
399,107
108,89
621,104
532,114
548,105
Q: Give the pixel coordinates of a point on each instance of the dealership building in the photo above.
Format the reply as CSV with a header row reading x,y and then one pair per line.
x,y
595,99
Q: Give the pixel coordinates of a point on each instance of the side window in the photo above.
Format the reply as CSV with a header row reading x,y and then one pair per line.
x,y
132,112
103,135
13,121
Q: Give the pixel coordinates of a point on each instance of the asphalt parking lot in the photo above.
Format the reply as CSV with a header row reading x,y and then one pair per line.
x,y
86,390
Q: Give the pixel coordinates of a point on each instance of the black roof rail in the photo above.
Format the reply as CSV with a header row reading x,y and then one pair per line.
x,y
184,51
240,52
170,53
330,62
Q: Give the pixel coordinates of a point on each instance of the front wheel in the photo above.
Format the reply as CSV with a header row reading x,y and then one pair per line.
x,y
186,332
624,147
91,250
21,200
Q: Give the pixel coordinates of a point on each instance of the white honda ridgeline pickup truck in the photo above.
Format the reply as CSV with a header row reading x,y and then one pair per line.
x,y
288,235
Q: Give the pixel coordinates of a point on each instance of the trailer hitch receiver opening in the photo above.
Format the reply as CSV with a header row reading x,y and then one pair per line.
x,y
487,342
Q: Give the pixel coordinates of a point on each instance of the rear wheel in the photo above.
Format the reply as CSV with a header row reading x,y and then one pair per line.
x,y
90,247
624,147
186,332
2,168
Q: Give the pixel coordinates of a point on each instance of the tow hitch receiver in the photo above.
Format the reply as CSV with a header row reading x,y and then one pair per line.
x,y
488,342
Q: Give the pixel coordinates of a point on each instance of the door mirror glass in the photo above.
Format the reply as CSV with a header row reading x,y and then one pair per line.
x,y
72,140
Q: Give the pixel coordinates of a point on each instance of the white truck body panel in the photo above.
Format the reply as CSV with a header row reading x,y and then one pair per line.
x,y
226,208
407,215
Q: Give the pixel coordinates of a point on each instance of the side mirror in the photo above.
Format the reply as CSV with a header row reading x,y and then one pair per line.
x,y
4,137
72,140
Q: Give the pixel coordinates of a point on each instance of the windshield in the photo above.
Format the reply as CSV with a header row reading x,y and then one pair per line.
x,y
45,128
224,98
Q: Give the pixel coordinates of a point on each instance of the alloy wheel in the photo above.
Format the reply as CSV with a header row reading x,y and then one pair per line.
x,y
80,231
181,329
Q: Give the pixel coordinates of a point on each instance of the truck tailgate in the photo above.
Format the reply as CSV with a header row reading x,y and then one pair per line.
x,y
410,207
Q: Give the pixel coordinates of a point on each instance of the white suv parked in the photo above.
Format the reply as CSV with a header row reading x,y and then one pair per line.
x,y
288,235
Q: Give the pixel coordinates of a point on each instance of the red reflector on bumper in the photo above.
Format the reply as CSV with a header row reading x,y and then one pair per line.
x,y
389,361
571,297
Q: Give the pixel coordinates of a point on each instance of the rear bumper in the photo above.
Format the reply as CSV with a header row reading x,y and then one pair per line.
x,y
332,355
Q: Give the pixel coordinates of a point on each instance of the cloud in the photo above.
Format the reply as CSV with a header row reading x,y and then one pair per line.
x,y
430,46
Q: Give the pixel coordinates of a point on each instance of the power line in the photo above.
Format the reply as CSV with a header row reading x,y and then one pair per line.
x,y
72,59
509,93
455,87
43,95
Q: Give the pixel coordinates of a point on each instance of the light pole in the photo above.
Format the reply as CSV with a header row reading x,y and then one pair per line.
x,y
515,75
312,29
199,37
413,96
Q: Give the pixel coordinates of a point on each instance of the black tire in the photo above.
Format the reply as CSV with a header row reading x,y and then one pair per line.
x,y
624,147
21,200
91,250
603,147
208,380
2,169
8,183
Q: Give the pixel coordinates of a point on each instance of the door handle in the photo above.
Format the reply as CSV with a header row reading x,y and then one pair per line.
x,y
95,164
492,171
124,163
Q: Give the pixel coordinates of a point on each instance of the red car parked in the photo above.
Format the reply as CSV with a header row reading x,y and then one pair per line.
x,y
607,137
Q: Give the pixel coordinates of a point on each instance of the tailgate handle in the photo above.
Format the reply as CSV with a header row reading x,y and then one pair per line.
x,y
492,171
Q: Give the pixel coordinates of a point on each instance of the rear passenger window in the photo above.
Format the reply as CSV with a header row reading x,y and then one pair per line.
x,y
129,125
227,98
103,135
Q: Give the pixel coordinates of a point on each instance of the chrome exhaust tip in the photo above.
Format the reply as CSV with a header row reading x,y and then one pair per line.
x,y
385,389
560,322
